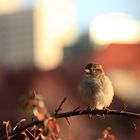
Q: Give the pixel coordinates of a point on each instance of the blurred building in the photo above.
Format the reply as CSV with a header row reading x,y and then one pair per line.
x,y
17,39
82,47
33,36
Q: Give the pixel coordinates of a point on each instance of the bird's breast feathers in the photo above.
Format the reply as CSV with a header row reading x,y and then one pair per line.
x,y
96,92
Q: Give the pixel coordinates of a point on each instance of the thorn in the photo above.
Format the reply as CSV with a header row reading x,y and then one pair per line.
x,y
67,120
59,107
125,106
76,109
133,123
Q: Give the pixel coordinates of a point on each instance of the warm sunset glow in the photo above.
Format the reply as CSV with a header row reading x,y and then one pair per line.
x,y
55,27
8,6
114,28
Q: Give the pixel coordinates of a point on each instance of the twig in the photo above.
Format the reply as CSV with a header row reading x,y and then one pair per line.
x,y
22,128
77,108
73,113
97,112
59,107
67,120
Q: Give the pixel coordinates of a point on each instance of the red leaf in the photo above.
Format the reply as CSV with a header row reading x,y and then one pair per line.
x,y
57,128
26,137
111,137
7,124
107,136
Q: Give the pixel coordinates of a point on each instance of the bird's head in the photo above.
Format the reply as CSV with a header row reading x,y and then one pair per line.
x,y
94,69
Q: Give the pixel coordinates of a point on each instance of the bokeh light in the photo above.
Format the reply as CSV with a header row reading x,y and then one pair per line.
x,y
8,6
55,28
114,28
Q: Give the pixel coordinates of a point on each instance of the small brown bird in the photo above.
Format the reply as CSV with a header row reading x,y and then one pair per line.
x,y
95,88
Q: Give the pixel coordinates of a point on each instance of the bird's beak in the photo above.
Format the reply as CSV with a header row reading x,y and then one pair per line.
x,y
87,71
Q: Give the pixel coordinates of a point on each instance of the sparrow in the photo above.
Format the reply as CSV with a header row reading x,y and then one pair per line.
x,y
95,88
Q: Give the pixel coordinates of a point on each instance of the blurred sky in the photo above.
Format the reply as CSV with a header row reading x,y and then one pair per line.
x,y
88,9
58,23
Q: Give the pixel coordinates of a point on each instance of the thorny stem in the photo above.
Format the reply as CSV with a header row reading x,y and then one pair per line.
x,y
74,113
59,108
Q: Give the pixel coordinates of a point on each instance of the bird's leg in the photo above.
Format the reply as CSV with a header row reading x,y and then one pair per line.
x,y
88,109
106,109
98,115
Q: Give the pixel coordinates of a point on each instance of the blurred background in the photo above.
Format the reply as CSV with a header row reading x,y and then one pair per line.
x,y
44,46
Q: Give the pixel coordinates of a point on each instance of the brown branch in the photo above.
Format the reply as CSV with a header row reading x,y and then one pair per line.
x,y
74,113
97,112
